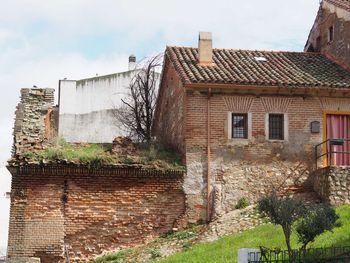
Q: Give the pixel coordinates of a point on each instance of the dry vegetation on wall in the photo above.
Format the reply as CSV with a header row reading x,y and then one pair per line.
x,y
121,153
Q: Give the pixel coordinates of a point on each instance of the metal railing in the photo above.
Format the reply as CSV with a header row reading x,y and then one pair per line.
x,y
327,148
311,255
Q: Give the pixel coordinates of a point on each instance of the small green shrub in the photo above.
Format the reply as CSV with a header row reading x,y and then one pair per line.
x,y
283,211
317,219
117,257
155,253
186,246
242,203
180,235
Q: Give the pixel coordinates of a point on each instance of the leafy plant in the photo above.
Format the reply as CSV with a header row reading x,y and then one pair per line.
x,y
155,253
186,246
317,219
242,203
284,212
117,257
191,231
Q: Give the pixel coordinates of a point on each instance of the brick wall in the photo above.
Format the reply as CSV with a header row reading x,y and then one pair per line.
x,y
249,167
89,211
169,123
339,48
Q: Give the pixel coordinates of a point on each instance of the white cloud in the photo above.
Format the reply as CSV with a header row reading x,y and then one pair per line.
x,y
40,40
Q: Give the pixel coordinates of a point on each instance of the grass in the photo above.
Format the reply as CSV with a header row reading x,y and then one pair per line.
x,y
152,251
62,150
271,236
226,249
149,155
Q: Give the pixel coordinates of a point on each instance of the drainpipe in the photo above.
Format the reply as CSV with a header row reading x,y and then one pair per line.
x,y
208,158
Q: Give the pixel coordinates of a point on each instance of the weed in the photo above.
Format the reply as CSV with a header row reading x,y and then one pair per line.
x,y
186,246
242,203
96,155
155,253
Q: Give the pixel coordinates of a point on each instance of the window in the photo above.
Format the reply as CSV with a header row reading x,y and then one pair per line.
x,y
240,125
276,127
330,34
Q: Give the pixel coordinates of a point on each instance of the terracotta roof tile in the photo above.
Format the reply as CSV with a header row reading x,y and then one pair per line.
x,y
344,4
241,67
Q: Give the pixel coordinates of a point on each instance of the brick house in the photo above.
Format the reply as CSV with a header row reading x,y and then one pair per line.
x,y
247,121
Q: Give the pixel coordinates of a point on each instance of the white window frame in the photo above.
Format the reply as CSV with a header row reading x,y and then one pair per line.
x,y
285,127
229,128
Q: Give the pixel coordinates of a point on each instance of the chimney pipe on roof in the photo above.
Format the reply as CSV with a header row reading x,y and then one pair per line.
x,y
132,62
205,48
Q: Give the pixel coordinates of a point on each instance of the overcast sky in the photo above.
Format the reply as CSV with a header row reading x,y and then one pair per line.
x,y
43,41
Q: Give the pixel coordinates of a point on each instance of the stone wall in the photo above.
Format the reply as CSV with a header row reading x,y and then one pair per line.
x,y
332,184
35,120
89,211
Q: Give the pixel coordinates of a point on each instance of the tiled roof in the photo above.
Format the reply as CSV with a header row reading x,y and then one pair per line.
x,y
242,67
344,4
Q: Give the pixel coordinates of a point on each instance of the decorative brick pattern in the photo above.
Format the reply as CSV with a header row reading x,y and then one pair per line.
x,y
276,104
335,104
238,103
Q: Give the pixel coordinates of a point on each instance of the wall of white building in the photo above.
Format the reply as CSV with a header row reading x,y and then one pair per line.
x,y
86,107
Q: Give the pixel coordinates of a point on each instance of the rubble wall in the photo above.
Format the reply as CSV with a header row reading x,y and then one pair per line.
x,y
332,184
35,120
84,212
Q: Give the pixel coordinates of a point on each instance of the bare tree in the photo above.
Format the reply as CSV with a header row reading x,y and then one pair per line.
x,y
136,113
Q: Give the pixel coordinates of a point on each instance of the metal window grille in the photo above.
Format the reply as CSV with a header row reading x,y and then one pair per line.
x,y
240,125
276,123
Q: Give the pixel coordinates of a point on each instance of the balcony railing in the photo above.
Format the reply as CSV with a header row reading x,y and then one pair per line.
x,y
329,152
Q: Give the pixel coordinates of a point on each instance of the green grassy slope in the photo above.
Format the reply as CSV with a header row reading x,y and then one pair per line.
x,y
225,249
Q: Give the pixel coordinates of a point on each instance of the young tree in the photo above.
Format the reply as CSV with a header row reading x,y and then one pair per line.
x,y
317,219
284,212
136,113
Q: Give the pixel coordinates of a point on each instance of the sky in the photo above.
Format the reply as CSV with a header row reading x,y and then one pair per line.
x,y
43,41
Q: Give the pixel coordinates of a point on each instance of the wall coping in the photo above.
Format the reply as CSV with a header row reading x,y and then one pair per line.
x,y
80,169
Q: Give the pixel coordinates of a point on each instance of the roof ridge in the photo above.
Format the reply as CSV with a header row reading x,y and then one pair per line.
x,y
254,50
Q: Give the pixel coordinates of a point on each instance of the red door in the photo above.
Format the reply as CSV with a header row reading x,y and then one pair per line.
x,y
338,127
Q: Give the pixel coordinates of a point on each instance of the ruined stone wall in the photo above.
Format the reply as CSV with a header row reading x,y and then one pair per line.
x,y
249,167
339,48
169,124
332,184
89,211
34,121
